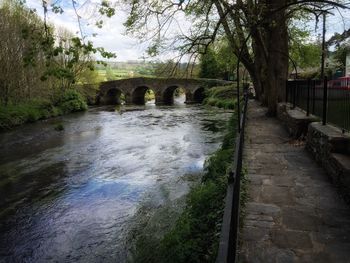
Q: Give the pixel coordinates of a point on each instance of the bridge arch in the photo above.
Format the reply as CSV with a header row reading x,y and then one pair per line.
x,y
199,95
138,95
113,96
134,89
169,93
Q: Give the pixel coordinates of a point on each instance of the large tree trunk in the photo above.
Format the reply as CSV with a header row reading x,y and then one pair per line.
x,y
276,42
269,66
259,76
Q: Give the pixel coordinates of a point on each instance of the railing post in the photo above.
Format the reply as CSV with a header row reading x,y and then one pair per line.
x,y
313,95
295,93
238,101
325,101
308,98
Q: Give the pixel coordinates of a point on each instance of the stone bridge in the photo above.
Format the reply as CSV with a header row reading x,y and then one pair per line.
x,y
134,90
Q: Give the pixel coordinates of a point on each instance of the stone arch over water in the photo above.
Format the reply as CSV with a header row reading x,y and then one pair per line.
x,y
169,92
138,95
113,96
134,90
199,95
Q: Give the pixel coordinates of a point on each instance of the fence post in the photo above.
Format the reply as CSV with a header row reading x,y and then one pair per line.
x,y
325,101
238,107
313,95
287,90
308,98
294,93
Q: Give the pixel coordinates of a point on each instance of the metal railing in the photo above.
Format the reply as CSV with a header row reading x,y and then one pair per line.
x,y
323,99
228,245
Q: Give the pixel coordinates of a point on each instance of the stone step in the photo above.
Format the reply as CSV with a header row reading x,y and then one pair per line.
x,y
339,170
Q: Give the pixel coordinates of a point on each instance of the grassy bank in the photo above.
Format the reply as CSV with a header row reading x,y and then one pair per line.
x,y
221,97
194,238
33,110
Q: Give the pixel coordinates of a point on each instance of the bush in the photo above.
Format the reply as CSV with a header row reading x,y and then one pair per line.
x,y
89,92
222,92
221,97
13,115
71,101
33,110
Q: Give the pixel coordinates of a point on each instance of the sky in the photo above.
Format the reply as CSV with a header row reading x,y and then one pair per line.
x,y
113,38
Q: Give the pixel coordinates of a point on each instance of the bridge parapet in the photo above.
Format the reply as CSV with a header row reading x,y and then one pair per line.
x,y
134,89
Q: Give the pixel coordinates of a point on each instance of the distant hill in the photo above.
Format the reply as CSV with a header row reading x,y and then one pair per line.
x,y
129,69
120,70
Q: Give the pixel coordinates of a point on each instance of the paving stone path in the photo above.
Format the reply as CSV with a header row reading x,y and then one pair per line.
x,y
294,213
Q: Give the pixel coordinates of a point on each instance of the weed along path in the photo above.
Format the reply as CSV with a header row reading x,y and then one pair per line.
x,y
293,213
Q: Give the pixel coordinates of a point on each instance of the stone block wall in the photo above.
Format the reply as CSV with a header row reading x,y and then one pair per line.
x,y
329,146
331,149
295,120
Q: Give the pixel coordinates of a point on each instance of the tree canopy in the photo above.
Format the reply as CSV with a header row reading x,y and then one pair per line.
x,y
257,33
38,60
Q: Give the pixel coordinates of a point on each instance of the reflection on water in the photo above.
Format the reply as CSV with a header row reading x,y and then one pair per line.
x,y
69,196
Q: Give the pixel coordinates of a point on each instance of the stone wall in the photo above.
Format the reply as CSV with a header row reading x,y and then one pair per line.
x,y
331,149
329,146
295,120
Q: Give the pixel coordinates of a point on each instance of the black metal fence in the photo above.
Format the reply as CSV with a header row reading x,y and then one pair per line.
x,y
328,100
229,230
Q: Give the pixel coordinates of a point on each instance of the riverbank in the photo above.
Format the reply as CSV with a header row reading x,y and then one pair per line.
x,y
38,109
221,97
195,234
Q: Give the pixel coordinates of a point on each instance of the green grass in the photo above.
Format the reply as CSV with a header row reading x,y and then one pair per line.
x,y
71,101
122,74
33,110
221,97
195,236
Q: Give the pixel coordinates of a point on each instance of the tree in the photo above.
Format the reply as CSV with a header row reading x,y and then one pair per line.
x,y
304,53
340,55
209,67
257,32
77,44
37,61
227,62
218,61
22,61
170,68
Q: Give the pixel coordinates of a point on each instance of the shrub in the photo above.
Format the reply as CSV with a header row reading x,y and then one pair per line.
x,y
33,110
30,111
71,101
221,97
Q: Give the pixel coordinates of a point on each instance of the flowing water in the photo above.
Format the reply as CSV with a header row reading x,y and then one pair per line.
x,y
73,195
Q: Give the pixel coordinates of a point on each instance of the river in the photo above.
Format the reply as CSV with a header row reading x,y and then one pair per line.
x,y
73,195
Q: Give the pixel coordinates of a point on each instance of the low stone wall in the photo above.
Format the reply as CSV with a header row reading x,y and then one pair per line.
x,y
295,120
329,146
331,149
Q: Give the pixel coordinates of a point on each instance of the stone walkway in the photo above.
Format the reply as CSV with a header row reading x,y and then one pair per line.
x,y
294,213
